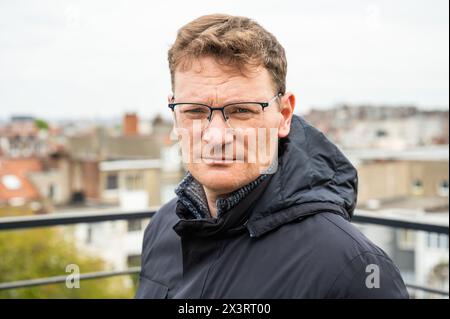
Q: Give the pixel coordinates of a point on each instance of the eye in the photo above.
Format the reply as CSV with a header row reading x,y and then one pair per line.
x,y
241,110
193,109
197,110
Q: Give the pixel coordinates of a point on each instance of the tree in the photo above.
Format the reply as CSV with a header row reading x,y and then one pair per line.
x,y
44,252
41,124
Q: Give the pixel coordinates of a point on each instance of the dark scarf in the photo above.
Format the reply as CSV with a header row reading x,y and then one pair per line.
x,y
192,195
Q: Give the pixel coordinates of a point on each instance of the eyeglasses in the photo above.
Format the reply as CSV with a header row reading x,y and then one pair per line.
x,y
236,115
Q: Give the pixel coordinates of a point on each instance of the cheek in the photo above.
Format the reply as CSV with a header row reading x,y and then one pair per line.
x,y
188,143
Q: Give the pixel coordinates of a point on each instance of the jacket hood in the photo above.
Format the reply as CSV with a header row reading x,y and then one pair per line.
x,y
312,176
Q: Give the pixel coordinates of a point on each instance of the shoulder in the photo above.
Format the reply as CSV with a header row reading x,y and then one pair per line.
x,y
343,262
160,227
361,269
331,233
346,236
161,254
166,213
163,218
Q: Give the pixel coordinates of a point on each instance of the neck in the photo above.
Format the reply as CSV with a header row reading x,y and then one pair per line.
x,y
211,198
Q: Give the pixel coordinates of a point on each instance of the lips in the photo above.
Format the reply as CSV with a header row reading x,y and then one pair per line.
x,y
217,160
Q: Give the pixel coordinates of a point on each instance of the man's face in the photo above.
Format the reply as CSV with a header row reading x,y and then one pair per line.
x,y
224,158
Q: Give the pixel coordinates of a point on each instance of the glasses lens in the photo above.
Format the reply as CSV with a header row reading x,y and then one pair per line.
x,y
186,114
243,115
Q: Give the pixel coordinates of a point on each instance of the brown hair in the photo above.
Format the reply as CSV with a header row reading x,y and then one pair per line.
x,y
234,41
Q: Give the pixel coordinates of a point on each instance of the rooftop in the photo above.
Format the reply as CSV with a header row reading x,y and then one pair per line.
x,y
436,153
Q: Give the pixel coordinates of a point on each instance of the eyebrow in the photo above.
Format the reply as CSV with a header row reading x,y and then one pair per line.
x,y
207,101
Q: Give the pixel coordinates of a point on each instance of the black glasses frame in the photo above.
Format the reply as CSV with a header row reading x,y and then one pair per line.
x,y
222,108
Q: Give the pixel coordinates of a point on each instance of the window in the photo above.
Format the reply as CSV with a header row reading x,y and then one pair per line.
x,y
134,181
112,181
435,240
134,225
129,182
381,133
89,234
51,191
405,239
443,241
443,188
417,187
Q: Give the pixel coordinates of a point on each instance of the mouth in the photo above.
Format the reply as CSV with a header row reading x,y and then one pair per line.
x,y
218,160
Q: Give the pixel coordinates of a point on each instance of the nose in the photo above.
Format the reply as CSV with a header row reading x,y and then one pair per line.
x,y
217,131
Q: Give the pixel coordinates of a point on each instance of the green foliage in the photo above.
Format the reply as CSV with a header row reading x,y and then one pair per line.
x,y
41,124
38,253
6,211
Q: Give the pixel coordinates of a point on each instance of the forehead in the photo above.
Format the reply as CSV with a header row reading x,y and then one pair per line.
x,y
205,79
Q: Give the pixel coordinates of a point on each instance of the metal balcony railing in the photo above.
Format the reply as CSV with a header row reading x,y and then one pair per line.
x,y
26,222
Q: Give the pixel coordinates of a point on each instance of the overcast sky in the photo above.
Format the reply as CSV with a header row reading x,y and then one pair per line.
x,y
96,59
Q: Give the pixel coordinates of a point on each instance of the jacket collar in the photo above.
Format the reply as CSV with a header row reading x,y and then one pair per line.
x,y
313,176
227,224
192,195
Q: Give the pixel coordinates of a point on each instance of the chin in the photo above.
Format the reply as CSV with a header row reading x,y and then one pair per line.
x,y
223,178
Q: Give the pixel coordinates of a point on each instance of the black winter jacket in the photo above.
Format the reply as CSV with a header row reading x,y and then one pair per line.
x,y
291,237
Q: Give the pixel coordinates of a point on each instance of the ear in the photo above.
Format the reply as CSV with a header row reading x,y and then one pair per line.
x,y
287,104
174,133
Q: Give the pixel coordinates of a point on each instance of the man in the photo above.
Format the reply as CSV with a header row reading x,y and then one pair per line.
x,y
243,226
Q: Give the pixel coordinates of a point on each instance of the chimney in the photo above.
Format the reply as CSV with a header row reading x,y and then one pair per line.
x,y
130,124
